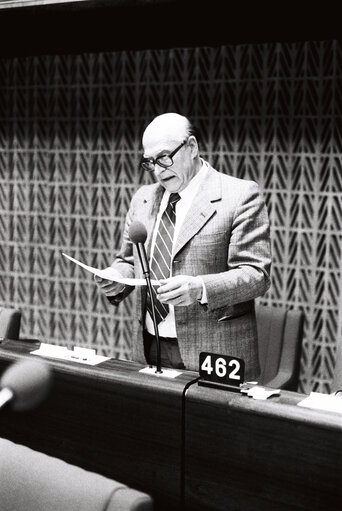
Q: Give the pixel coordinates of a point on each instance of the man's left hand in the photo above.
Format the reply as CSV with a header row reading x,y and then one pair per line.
x,y
180,290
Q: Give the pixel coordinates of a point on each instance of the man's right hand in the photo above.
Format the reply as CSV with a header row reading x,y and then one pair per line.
x,y
108,287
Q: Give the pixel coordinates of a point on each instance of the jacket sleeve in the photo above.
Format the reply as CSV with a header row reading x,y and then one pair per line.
x,y
249,254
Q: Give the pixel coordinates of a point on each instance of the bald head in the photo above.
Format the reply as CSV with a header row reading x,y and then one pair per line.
x,y
171,134
169,127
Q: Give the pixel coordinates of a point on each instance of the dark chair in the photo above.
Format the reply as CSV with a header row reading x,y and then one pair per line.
x,y
33,481
9,323
280,336
337,376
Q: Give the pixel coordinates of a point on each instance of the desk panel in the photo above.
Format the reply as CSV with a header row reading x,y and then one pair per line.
x,y
110,419
222,450
243,454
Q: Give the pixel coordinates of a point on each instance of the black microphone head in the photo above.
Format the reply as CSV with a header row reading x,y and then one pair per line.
x,y
29,380
137,232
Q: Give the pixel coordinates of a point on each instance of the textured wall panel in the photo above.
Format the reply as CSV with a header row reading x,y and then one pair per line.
x,y
70,129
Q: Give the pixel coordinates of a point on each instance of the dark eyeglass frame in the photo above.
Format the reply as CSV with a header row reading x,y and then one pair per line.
x,y
152,161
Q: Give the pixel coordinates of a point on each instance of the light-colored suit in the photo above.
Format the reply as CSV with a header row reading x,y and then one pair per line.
x,y
224,239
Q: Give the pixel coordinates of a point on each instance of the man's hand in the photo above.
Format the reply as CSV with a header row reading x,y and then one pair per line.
x,y
108,287
180,290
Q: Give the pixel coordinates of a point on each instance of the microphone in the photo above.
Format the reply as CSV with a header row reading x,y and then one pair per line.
x,y
138,234
25,383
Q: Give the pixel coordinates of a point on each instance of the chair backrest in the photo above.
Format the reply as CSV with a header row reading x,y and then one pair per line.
x,y
9,323
337,376
33,481
280,335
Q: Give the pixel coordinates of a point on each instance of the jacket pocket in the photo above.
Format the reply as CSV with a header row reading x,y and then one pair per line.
x,y
233,316
235,311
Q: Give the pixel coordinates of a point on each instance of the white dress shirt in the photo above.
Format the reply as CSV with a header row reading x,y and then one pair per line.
x,y
167,327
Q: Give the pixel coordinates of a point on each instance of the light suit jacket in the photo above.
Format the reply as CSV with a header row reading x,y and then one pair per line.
x,y
225,240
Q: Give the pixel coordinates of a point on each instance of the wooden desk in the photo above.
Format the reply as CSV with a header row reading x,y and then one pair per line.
x,y
248,455
170,437
110,419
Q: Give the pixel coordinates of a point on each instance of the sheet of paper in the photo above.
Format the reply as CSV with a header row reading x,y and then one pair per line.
x,y
80,355
262,392
112,274
318,400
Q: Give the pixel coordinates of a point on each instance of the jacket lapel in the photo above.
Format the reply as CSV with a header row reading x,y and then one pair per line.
x,y
202,208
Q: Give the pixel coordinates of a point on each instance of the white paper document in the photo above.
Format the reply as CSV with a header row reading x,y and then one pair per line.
x,y
80,355
318,400
257,392
112,274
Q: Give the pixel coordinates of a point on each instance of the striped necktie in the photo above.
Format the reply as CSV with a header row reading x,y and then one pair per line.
x,y
162,253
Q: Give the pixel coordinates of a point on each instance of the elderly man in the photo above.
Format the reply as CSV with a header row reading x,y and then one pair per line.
x,y
208,244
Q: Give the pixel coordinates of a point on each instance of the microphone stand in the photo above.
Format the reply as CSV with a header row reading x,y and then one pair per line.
x,y
146,273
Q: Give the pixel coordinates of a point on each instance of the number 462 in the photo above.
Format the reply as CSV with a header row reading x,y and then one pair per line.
x,y
220,368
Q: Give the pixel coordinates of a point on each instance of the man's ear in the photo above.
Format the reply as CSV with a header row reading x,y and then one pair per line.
x,y
193,145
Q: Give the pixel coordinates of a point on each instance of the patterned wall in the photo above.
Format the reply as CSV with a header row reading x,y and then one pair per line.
x,y
70,130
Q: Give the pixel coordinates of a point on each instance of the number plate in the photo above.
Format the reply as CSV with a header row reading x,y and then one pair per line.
x,y
221,369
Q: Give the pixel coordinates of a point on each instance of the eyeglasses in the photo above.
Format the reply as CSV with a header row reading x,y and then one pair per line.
x,y
163,161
